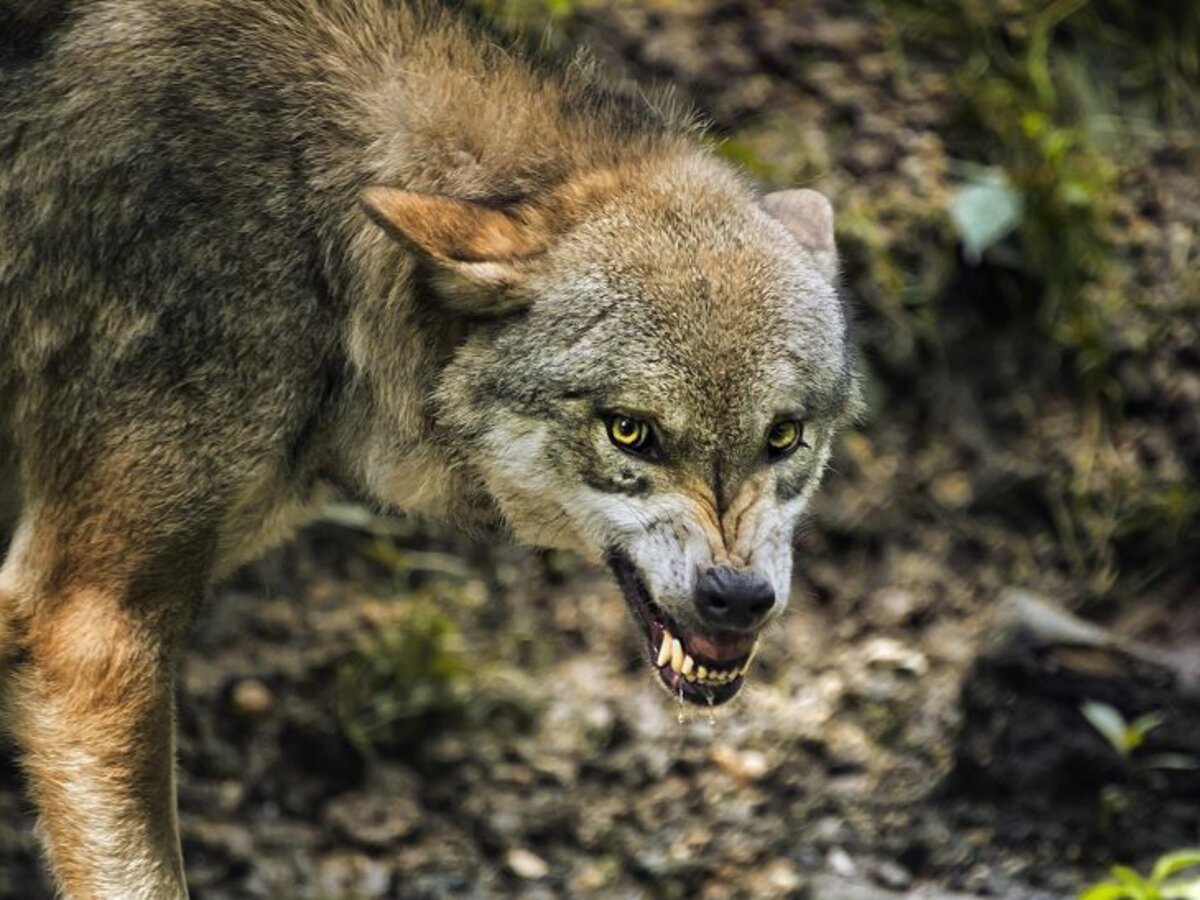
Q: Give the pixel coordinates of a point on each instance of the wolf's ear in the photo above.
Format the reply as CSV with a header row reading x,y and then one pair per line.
x,y
808,215
484,244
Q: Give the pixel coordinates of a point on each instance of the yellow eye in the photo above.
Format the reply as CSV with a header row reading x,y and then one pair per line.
x,y
630,434
784,437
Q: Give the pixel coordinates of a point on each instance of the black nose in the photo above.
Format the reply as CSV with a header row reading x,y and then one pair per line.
x,y
734,598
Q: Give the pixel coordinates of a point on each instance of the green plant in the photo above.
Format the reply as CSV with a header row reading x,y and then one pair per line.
x,y
1037,121
403,681
1163,882
1061,105
1126,738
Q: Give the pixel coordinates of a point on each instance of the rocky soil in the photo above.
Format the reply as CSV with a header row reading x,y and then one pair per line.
x,y
517,746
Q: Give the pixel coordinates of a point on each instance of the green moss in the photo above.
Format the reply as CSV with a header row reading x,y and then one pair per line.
x,y
403,681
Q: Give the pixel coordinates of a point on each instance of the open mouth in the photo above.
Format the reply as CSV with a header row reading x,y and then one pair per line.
x,y
704,668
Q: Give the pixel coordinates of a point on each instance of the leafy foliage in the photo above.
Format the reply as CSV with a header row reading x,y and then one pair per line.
x,y
1163,882
985,211
1125,737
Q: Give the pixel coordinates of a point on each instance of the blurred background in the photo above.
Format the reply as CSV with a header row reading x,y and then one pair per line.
x,y
986,683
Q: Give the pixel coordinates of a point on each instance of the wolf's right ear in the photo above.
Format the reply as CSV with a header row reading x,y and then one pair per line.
x,y
486,245
808,215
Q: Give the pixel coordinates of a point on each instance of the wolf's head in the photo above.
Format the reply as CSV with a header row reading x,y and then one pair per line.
x,y
657,373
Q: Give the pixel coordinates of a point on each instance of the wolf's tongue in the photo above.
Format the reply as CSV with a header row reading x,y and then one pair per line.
x,y
718,647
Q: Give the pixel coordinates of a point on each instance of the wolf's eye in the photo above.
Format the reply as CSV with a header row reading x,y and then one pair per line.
x,y
784,438
630,434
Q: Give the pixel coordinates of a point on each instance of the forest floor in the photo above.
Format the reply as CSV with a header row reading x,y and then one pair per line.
x,y
383,710
407,717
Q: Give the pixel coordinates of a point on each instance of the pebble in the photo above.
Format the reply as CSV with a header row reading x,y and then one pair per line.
x,y
893,606
829,887
353,874
778,878
252,698
527,864
893,876
374,818
744,765
840,863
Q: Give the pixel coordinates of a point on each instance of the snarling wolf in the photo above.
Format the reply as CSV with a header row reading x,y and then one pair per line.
x,y
255,253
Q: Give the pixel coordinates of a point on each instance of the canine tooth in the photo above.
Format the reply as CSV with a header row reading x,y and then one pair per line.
x,y
702,673
664,652
750,658
688,665
676,655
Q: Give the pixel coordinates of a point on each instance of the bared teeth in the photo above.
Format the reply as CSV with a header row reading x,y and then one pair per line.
x,y
671,653
714,676
664,652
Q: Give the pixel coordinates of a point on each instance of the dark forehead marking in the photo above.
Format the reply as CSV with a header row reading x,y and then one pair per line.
x,y
719,483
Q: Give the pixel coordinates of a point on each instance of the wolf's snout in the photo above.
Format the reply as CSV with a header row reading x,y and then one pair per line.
x,y
740,599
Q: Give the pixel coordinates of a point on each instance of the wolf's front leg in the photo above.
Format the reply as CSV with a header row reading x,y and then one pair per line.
x,y
89,700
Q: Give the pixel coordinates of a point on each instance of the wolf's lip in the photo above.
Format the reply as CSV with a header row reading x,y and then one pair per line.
x,y
706,669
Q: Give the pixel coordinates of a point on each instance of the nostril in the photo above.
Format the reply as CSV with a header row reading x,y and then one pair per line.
x,y
734,598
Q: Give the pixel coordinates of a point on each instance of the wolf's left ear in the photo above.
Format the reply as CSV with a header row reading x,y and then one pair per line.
x,y
808,215
487,245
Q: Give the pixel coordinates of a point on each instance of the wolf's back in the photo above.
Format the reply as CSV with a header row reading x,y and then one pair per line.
x,y
31,12
24,25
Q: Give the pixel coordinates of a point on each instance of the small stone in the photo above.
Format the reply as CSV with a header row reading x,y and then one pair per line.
x,y
893,876
526,864
592,877
952,490
840,863
229,796
353,874
744,765
829,830
893,606
778,878
888,653
375,818
846,748
251,697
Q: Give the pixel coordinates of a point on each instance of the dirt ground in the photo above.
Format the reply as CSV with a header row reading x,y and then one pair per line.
x,y
385,710
572,773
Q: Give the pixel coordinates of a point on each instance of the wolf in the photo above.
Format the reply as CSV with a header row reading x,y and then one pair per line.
x,y
256,254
